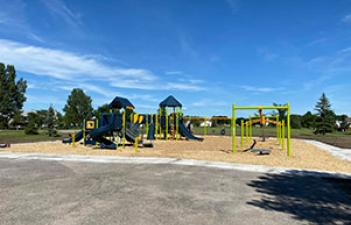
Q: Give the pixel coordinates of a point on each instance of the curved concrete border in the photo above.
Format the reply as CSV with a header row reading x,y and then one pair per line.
x,y
173,161
340,153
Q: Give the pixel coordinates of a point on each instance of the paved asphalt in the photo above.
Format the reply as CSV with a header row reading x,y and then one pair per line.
x,y
58,192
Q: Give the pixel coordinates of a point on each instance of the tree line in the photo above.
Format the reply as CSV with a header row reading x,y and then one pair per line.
x,y
79,106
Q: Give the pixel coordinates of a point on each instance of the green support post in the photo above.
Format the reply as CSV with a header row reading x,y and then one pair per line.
x,y
84,134
97,126
147,124
233,129
156,126
283,134
277,127
289,131
73,136
242,133
160,123
166,112
124,117
250,128
246,132
177,124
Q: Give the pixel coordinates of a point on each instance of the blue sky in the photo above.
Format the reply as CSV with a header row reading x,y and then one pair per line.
x,y
208,54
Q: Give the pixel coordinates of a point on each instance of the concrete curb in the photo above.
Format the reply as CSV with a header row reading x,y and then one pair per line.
x,y
340,153
173,161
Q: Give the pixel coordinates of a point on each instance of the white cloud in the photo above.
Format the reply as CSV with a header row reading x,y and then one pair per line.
x,y
63,65
62,11
75,68
209,103
261,89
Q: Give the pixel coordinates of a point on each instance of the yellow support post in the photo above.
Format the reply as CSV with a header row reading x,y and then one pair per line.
x,y
136,143
73,136
161,122
97,126
247,132
233,129
250,128
147,124
124,117
177,124
242,133
166,112
289,131
84,132
277,127
156,125
283,134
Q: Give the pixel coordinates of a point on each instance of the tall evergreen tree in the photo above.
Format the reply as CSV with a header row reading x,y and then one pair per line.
x,y
77,108
325,121
31,127
12,94
51,122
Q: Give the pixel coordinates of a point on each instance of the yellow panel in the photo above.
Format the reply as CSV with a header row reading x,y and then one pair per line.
x,y
141,118
90,124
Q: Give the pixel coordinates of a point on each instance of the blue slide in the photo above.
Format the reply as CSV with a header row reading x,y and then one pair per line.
x,y
98,134
186,133
77,138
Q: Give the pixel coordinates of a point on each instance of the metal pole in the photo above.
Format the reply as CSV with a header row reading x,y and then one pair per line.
x,y
283,134
84,132
250,129
247,132
289,131
124,128
73,135
242,133
233,129
177,124
166,123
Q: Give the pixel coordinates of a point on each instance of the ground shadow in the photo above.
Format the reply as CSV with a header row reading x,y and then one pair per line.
x,y
312,199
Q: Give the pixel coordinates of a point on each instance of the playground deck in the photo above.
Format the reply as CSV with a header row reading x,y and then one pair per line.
x,y
304,155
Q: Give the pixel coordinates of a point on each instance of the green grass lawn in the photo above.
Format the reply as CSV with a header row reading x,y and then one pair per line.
x,y
18,136
339,139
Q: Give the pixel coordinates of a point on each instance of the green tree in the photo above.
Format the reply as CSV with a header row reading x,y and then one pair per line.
x,y
77,108
40,118
51,122
60,120
105,108
308,120
296,121
31,127
325,121
12,94
281,112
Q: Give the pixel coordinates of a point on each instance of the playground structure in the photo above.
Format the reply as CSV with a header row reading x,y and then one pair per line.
x,y
246,126
123,125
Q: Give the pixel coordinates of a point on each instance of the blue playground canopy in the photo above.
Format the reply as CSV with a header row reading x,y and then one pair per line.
x,y
119,103
170,101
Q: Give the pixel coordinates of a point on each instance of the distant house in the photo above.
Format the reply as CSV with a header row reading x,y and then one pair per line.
x,y
206,123
341,124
